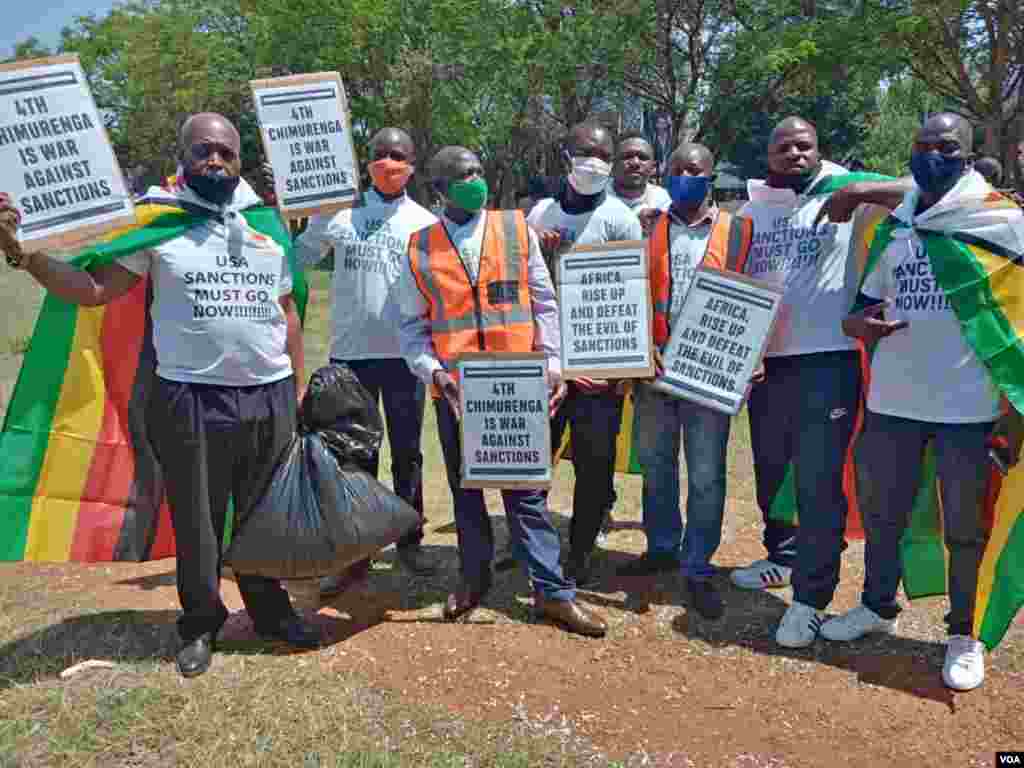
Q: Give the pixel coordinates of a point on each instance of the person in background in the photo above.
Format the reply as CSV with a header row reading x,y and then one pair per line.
x,y
584,213
453,301
631,180
991,170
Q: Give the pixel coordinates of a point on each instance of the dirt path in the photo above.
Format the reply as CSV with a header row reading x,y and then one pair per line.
x,y
664,684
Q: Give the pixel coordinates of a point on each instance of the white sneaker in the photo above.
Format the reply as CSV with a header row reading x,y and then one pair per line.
x,y
762,574
964,669
856,623
799,626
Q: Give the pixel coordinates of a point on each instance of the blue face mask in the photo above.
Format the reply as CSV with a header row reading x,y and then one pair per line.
x,y
934,173
687,191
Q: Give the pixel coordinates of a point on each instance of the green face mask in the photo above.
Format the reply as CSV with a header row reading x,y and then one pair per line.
x,y
468,195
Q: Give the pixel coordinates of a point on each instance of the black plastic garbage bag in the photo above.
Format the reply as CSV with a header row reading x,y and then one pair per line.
x,y
317,517
321,512
340,408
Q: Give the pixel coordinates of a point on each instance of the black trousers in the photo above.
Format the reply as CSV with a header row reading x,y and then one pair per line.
x,y
213,444
595,421
390,381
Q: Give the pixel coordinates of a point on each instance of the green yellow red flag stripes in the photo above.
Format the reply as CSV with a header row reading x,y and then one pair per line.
x,y
974,246
80,482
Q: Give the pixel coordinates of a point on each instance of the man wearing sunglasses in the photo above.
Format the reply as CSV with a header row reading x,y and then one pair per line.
x,y
222,405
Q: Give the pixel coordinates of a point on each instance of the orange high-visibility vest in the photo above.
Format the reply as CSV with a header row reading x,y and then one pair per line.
x,y
492,315
728,247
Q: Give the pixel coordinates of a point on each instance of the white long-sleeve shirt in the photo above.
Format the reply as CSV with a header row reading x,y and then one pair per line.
x,y
415,334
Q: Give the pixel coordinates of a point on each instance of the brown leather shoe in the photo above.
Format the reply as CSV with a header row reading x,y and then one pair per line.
x,y
462,602
570,615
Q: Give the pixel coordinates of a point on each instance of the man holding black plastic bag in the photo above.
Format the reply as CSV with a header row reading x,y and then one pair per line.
x,y
452,302
223,403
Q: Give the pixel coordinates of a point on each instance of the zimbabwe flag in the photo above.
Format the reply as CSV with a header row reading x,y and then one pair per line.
x,y
79,479
974,241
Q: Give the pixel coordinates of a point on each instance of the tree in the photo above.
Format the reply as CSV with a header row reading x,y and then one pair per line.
x,y
970,53
902,106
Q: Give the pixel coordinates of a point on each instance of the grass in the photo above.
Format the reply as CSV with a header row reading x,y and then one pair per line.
x,y
267,709
252,710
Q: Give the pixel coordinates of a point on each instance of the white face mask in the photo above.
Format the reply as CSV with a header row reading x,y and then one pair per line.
x,y
589,175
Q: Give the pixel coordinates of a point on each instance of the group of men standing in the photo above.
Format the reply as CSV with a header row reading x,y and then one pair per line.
x,y
412,291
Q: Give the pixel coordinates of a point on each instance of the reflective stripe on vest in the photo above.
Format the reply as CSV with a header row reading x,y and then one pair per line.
x,y
729,243
492,314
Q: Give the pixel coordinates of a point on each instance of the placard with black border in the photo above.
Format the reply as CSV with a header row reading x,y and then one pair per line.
x,y
307,137
604,304
505,428
55,157
719,338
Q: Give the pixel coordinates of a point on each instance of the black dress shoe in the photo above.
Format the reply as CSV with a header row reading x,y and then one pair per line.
x,y
194,658
651,564
705,599
294,631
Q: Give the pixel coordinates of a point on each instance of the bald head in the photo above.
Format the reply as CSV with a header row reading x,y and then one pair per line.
x,y
205,126
691,160
947,127
791,125
591,140
394,143
210,143
941,154
453,164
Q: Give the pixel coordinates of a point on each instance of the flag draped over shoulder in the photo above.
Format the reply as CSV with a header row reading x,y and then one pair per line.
x,y
79,480
974,241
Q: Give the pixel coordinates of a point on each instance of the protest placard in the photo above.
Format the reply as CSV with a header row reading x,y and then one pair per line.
x,y
719,338
605,311
307,137
506,434
55,158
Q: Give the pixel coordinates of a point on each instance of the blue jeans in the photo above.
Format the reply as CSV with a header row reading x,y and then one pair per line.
x,y
890,453
803,414
403,395
534,540
658,422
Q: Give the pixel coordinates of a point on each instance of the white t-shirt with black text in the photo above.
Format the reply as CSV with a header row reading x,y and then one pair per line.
x,y
370,245
813,265
925,371
217,316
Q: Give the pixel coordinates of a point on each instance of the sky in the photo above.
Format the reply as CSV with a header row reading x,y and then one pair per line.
x,y
42,18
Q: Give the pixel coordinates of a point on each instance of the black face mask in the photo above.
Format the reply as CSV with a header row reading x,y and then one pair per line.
x,y
798,182
216,186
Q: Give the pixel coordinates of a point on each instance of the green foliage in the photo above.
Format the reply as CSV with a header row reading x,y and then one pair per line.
x,y
901,109
508,77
